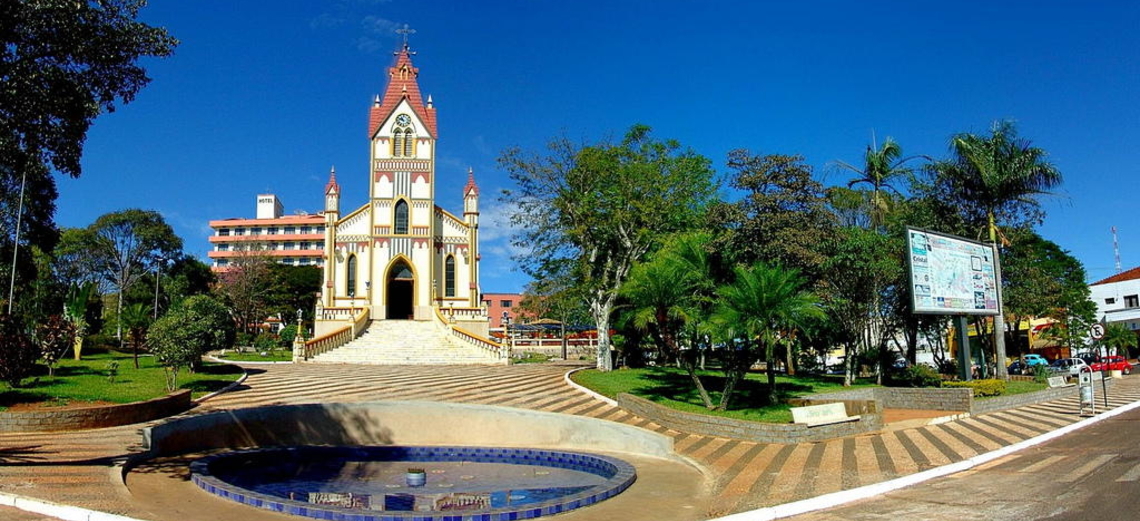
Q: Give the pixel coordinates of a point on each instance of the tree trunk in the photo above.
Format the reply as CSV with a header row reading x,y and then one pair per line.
x,y
701,391
601,311
789,359
848,365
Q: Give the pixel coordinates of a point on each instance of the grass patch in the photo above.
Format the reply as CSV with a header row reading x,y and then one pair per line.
x,y
672,387
278,355
531,358
87,380
1019,387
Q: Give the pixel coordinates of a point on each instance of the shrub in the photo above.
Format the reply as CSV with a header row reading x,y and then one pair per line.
x,y
183,335
18,354
918,375
288,333
989,387
112,371
265,341
1041,373
54,337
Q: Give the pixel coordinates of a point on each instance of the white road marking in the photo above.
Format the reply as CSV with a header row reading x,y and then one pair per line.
x,y
1042,464
1085,469
1131,475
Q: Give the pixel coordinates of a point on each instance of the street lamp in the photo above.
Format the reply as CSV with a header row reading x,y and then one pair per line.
x,y
158,263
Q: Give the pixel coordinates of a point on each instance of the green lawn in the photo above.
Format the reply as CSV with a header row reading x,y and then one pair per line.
x,y
1017,387
279,355
531,358
673,388
86,380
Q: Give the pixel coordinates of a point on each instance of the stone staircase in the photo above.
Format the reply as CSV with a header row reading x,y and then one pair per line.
x,y
406,342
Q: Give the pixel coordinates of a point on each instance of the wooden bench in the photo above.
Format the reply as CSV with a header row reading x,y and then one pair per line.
x,y
825,414
1059,381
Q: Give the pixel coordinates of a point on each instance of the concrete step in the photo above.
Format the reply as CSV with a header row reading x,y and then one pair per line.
x,y
406,342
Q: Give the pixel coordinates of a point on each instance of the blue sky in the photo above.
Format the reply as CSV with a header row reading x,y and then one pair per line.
x,y
258,100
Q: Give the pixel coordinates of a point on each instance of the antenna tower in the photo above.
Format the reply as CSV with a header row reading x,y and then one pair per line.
x,y
1116,249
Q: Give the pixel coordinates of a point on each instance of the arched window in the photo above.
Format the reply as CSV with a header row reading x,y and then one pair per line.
x,y
409,141
401,218
350,276
449,276
397,143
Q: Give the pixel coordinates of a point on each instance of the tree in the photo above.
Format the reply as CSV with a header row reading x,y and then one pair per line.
x,y
246,286
136,318
592,211
667,297
880,168
292,288
860,266
1119,338
54,336
763,307
125,244
63,64
782,219
996,181
1040,279
18,353
75,311
182,336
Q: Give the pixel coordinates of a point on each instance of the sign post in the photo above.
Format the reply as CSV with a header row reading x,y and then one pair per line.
x,y
955,276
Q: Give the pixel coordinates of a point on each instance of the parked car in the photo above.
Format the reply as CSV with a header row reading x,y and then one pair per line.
x,y
1032,360
1016,368
1068,366
1112,363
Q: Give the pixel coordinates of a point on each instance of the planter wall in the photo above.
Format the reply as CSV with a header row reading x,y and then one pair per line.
x,y
95,417
751,431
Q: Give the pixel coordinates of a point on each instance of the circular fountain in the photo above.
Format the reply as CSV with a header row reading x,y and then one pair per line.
x,y
429,483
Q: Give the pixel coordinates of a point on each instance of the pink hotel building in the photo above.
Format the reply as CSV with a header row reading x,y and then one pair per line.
x,y
297,240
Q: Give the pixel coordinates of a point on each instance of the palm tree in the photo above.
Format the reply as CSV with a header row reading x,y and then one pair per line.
x,y
136,317
880,168
762,308
1119,338
667,295
995,178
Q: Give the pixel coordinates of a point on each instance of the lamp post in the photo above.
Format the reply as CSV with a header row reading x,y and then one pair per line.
x,y
157,273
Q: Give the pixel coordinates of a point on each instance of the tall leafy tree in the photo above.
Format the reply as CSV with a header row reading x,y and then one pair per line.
x,y
124,245
783,217
62,64
594,210
1119,338
762,308
996,181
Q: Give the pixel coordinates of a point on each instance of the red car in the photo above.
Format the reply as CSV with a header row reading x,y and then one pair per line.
x,y
1112,363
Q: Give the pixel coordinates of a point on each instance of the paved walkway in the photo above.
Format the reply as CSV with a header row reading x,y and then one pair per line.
x,y
79,467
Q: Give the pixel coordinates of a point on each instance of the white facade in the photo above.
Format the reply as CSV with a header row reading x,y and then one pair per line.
x,y
400,254
269,207
1117,299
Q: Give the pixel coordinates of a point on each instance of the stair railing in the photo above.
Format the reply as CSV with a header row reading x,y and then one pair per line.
x,y
340,336
498,350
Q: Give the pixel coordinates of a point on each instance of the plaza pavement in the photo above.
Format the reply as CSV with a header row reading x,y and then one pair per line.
x,y
81,468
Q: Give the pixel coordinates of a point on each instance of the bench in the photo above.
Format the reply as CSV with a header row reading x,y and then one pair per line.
x,y
1059,381
825,414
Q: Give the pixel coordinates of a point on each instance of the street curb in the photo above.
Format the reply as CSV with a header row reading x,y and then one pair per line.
x,y
847,496
226,389
57,510
566,377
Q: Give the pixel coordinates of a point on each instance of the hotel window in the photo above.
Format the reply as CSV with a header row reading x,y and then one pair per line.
x,y
449,276
272,230
290,245
239,231
304,229
1131,301
1110,300
223,232
401,218
290,230
255,231
505,303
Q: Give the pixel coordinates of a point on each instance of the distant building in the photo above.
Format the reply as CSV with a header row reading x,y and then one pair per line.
x,y
1117,299
500,305
296,240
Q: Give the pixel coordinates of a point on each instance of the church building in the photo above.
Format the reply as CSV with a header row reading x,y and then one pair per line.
x,y
400,255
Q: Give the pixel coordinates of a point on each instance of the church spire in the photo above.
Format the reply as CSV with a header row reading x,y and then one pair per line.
x,y
332,187
402,85
470,188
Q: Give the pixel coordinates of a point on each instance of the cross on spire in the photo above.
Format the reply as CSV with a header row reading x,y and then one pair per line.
x,y
405,31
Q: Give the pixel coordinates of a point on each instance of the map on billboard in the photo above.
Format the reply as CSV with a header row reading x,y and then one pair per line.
x,y
950,275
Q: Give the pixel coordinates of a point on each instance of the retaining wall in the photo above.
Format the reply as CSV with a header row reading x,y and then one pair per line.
x,y
398,423
96,416
746,430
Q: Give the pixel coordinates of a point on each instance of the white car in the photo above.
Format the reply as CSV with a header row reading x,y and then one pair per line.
x,y
1068,366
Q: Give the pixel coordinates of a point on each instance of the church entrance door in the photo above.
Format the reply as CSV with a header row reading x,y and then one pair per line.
x,y
401,284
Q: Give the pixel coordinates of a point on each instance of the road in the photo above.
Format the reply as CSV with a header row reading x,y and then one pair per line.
x,y
1092,474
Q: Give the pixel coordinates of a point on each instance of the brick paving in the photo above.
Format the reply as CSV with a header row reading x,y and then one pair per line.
x,y
81,468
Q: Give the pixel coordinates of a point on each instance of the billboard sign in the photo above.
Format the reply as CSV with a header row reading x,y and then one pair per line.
x,y
950,275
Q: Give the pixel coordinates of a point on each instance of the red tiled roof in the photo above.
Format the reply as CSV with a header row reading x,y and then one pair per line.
x,y
332,186
402,84
471,187
1131,274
